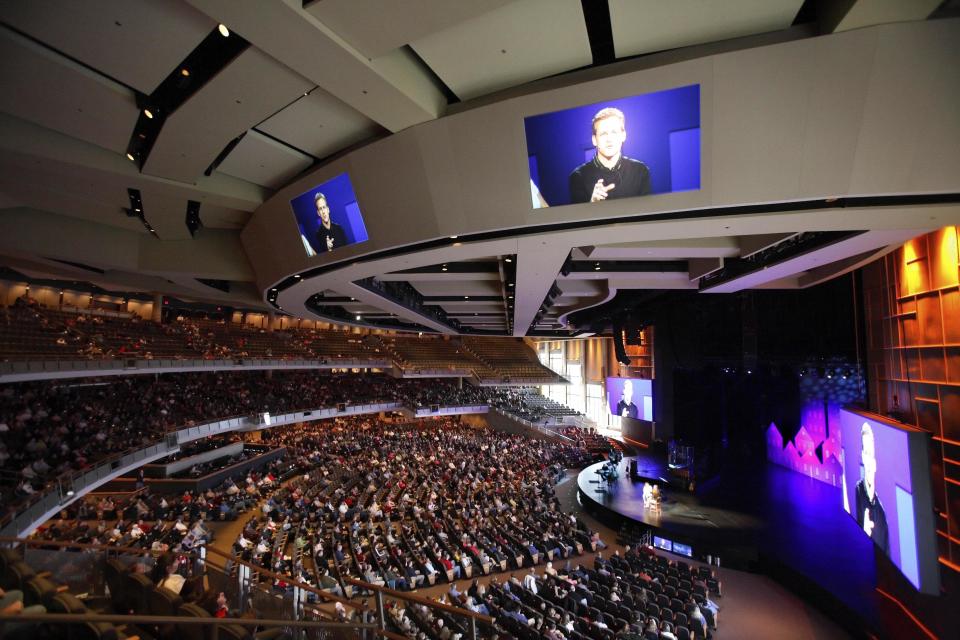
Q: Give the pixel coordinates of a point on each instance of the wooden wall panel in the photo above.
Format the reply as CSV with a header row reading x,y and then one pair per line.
x,y
912,302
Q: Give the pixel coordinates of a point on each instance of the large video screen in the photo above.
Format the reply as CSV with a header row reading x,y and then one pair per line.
x,y
630,398
329,217
886,489
622,148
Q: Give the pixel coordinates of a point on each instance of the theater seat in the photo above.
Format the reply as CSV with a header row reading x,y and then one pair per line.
x,y
113,572
16,575
38,590
163,602
136,591
192,631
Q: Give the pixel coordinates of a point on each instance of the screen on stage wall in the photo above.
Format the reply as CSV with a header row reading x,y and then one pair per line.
x,y
662,543
329,217
630,398
622,148
886,489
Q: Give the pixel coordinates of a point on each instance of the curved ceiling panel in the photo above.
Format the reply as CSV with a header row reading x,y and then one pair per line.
x,y
119,38
250,89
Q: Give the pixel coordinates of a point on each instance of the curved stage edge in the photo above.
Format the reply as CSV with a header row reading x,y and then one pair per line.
x,y
761,518
711,529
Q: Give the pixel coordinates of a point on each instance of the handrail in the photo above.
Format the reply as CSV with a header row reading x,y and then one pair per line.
x,y
246,622
401,595
211,551
326,595
86,546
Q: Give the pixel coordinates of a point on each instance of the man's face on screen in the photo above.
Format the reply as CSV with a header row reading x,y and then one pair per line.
x,y
323,210
608,137
627,392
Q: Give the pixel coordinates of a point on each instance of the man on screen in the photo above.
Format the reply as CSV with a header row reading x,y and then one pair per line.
x,y
869,511
330,235
609,174
626,408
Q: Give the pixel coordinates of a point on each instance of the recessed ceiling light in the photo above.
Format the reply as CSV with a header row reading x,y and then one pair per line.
x,y
508,260
359,317
130,157
222,28
509,284
596,268
148,113
466,297
453,237
185,72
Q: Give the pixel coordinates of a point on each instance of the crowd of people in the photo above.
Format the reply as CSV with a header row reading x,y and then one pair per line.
x,y
404,505
163,521
55,427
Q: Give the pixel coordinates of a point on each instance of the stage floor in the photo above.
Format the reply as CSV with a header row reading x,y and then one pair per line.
x,y
681,513
750,514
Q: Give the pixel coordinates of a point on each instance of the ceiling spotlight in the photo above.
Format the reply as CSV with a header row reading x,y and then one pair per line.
x,y
453,237
359,317
130,157
297,276
597,268
508,259
148,113
185,72
222,28
443,268
509,284
466,297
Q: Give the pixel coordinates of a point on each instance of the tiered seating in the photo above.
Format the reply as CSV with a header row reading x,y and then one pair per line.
x,y
52,429
430,354
529,405
336,345
378,517
26,333
511,359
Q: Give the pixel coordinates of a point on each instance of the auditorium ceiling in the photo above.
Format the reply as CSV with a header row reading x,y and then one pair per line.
x,y
245,98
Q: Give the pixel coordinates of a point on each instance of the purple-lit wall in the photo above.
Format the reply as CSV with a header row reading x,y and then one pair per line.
x,y
814,450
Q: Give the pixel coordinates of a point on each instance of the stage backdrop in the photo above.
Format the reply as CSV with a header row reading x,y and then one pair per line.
x,y
662,131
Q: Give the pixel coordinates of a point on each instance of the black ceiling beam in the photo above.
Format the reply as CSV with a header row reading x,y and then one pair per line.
x,y
630,266
208,59
454,267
